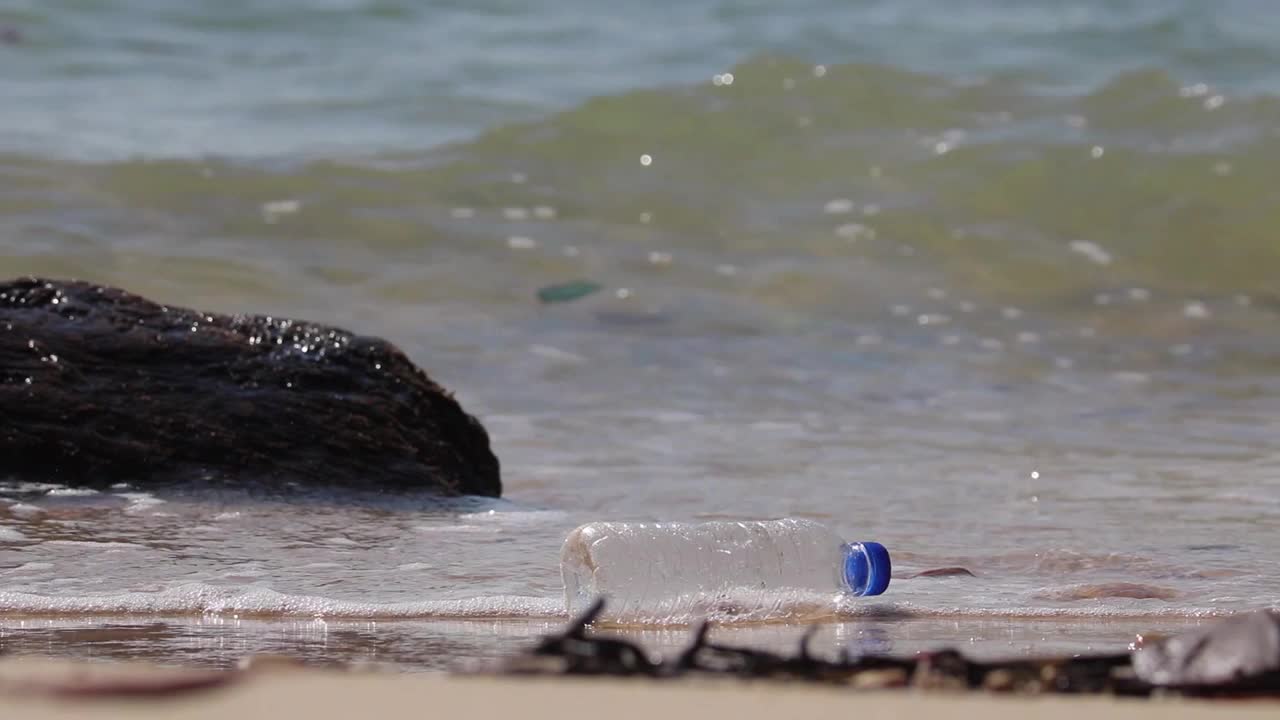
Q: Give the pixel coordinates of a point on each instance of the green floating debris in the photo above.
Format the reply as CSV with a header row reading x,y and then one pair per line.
x,y
568,292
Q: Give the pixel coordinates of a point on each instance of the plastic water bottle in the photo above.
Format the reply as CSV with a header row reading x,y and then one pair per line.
x,y
678,572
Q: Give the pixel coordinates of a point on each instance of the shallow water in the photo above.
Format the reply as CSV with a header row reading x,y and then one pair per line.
x,y
994,288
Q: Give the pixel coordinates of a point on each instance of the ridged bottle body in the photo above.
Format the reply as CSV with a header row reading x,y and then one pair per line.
x,y
677,572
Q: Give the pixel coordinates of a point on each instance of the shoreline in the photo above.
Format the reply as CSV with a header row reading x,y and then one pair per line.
x,y
40,689
436,644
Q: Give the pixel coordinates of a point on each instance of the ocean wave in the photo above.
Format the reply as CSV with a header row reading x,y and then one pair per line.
x,y
785,190
202,599
789,608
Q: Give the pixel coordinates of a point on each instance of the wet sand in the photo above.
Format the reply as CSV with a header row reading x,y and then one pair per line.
x,y
38,689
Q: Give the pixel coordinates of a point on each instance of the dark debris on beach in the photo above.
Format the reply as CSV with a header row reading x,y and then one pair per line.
x,y
1235,657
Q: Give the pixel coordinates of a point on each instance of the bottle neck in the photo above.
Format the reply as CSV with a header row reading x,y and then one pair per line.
x,y
866,569
853,569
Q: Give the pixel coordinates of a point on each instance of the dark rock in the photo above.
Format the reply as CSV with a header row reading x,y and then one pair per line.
x,y
1238,651
99,386
10,35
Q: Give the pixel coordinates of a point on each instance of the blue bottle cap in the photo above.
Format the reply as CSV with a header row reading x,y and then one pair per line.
x,y
866,568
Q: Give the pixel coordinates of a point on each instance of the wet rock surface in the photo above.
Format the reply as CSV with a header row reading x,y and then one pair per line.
x,y
1236,657
99,386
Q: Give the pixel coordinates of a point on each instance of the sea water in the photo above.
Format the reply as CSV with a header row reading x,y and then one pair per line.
x,y
1010,272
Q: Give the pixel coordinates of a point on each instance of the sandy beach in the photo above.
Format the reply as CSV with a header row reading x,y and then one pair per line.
x,y
38,689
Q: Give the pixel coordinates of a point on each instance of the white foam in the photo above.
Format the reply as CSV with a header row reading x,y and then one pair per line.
x,y
140,501
259,602
8,534
28,487
548,352
514,518
838,206
96,545
72,492
201,599
1092,251
859,607
456,529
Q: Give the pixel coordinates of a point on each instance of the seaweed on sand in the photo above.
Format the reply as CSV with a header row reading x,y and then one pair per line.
x,y
1245,658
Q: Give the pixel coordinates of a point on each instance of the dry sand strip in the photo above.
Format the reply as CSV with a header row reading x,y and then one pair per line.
x,y
45,690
